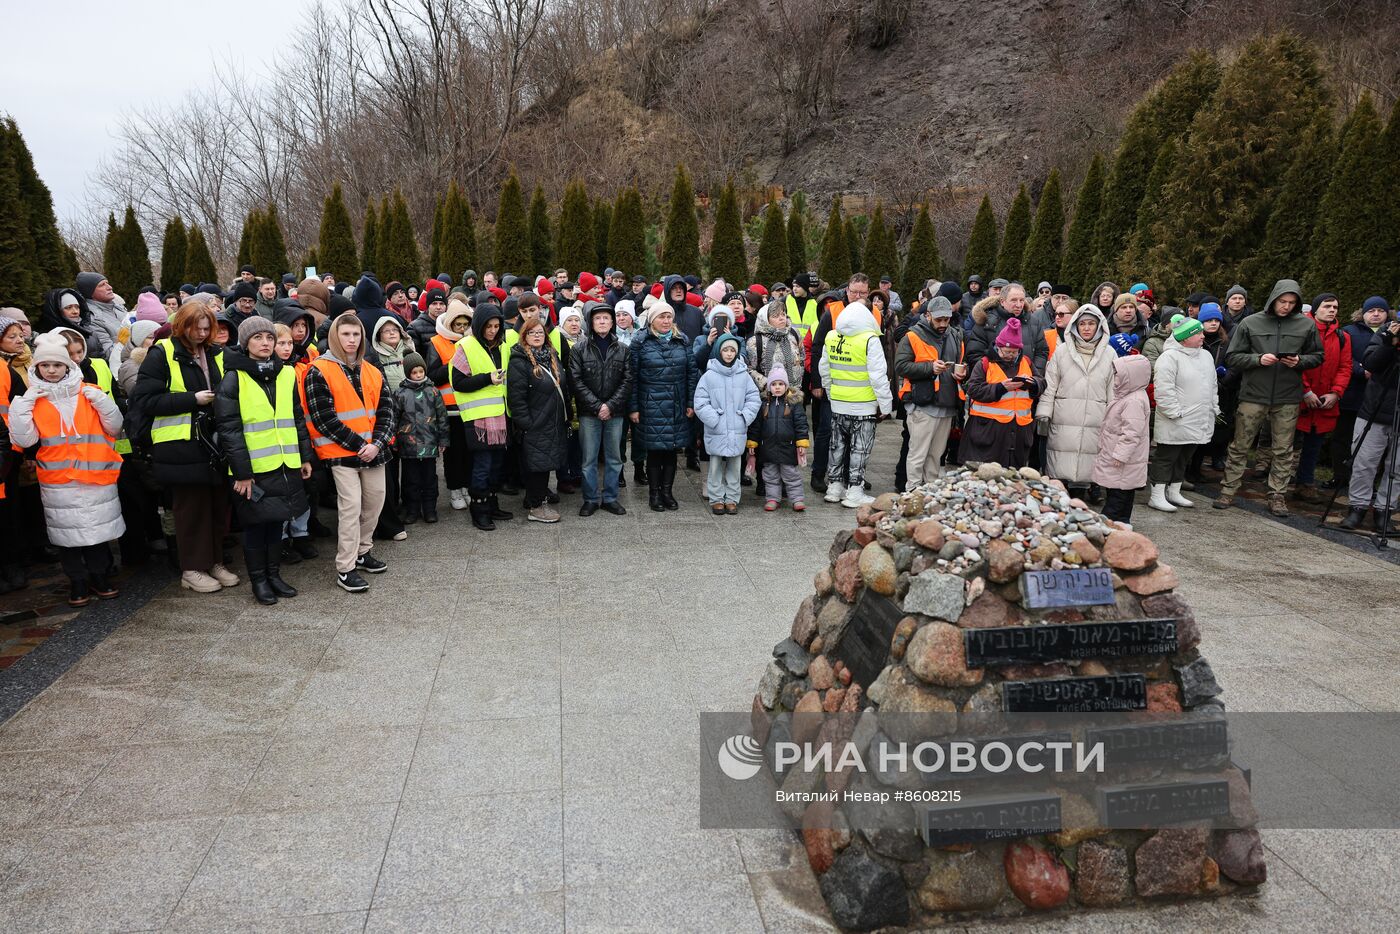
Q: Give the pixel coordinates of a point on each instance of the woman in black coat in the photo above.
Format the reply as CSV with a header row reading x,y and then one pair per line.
x,y
537,395
186,461
271,493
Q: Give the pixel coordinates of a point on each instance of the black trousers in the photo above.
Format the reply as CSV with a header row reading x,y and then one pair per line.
x,y
1118,504
536,487
420,486
86,562
139,509
262,535
457,459
390,524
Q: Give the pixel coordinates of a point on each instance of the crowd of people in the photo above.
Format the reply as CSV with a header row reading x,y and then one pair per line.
x,y
254,405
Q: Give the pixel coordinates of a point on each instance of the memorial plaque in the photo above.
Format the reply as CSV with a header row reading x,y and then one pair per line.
x,y
989,818
1152,806
1186,741
1067,642
1071,587
865,647
1075,695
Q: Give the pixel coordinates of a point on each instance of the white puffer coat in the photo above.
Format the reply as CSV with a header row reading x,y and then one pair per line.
x,y
1075,399
76,514
1187,398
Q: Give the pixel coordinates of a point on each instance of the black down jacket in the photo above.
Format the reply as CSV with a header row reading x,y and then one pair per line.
x,y
178,462
663,387
599,378
539,413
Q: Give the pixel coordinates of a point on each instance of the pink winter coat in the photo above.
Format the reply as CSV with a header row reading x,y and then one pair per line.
x,y
1124,439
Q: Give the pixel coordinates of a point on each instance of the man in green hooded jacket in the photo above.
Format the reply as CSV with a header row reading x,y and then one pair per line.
x,y
1271,350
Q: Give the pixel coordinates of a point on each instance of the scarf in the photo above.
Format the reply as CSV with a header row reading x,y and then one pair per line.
x,y
391,359
63,394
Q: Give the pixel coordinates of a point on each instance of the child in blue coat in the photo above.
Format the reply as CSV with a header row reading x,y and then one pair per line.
x,y
726,402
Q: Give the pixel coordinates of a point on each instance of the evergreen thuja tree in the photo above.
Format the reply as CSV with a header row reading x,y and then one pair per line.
x,y
602,223
1216,204
773,261
369,238
435,244
111,244
457,251
1345,258
1079,242
1041,261
627,235
133,269
728,261
881,256
797,235
269,250
576,247
17,276
680,249
922,261
49,267
398,246
383,257
512,241
199,264
174,245
981,257
335,247
1167,111
1014,236
835,264
244,256
1135,265
1289,231
541,239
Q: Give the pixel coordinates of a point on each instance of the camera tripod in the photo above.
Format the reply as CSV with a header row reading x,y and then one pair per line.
x,y
1381,537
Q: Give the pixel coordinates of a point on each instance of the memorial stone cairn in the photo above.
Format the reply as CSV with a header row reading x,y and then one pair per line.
x,y
992,591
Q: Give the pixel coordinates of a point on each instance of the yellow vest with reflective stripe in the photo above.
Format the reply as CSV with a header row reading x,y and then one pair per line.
x,y
804,319
490,400
556,338
179,427
103,372
269,434
846,360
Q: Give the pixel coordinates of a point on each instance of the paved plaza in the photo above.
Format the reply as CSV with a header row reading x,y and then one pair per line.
x,y
502,735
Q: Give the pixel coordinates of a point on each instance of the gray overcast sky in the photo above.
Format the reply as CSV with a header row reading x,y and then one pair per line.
x,y
71,67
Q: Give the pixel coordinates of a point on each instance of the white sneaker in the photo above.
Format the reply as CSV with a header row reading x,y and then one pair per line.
x,y
459,499
401,536
834,492
1158,499
224,576
856,497
1175,498
199,582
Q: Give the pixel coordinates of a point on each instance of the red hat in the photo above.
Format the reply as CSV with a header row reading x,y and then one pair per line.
x,y
543,286
498,292
656,290
423,295
692,299
587,282
758,289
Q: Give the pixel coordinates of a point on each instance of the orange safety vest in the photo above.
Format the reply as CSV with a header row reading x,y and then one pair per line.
x,y
445,349
355,411
90,456
836,306
927,353
5,408
1015,404
1052,340
302,366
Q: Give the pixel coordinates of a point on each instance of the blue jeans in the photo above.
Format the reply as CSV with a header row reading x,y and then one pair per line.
x,y
1310,445
593,433
486,469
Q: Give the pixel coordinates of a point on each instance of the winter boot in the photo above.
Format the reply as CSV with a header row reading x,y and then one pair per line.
x,y
274,578
668,480
256,559
1353,519
1158,499
1380,520
497,512
78,593
639,472
1175,498
654,499
481,512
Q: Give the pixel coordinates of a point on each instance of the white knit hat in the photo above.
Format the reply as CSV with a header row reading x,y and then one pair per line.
x,y
51,348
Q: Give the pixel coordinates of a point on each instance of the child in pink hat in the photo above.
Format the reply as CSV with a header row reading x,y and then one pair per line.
x,y
778,441
1001,393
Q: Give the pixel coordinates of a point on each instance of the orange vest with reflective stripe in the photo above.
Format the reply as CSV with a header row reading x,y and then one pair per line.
x,y
836,306
926,353
89,456
1015,404
5,407
445,348
356,412
1052,340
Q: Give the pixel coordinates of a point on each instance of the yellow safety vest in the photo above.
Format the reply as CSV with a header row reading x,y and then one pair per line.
x,y
179,427
804,319
103,372
490,400
269,434
846,359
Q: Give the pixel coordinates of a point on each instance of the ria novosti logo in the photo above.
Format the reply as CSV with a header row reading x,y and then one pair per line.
x,y
740,757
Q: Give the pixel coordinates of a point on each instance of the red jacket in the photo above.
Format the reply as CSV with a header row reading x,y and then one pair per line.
x,y
1333,376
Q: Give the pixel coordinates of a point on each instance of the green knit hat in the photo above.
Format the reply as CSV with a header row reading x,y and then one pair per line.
x,y
1186,329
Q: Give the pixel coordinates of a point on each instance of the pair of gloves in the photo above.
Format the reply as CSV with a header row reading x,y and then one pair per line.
x,y
1124,344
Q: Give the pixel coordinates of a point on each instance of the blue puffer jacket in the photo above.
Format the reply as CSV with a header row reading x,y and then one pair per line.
x,y
663,383
726,402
